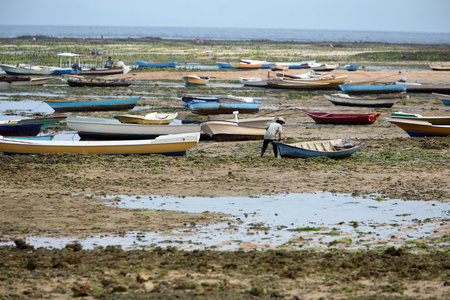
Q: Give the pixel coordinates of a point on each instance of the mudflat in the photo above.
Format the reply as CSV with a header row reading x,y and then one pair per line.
x,y
61,196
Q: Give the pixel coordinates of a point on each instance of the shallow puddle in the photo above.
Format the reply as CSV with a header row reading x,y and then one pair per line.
x,y
292,221
23,107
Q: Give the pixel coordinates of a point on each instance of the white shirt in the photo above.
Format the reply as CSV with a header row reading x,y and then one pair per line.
x,y
272,131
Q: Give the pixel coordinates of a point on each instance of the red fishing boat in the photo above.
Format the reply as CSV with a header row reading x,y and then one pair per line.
x,y
353,119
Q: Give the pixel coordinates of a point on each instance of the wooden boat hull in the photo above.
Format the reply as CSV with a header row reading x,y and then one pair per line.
x,y
328,82
12,70
195,80
241,65
160,119
444,98
78,81
142,64
17,129
6,81
373,89
436,67
209,108
232,131
112,129
338,99
174,145
317,149
348,119
93,105
420,128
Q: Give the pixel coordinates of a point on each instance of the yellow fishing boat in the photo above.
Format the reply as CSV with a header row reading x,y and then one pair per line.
x,y
195,80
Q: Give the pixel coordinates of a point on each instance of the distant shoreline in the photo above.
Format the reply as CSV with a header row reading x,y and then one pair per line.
x,y
205,42
225,34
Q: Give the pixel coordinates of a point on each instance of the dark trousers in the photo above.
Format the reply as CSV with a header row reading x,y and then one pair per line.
x,y
266,143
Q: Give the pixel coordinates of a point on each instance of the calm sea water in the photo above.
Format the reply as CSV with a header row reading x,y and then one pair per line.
x,y
241,34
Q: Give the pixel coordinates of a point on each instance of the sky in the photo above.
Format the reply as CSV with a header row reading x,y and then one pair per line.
x,y
366,15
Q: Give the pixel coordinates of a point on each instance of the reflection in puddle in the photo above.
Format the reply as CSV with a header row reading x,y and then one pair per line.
x,y
293,221
25,106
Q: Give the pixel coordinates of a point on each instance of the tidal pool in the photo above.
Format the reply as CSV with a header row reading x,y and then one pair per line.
x,y
292,221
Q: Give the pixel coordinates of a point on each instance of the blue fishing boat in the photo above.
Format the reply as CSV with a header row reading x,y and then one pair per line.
x,y
373,89
142,63
17,129
93,105
212,108
351,67
328,148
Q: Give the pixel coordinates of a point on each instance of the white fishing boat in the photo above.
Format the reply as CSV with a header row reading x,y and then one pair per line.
x,y
113,129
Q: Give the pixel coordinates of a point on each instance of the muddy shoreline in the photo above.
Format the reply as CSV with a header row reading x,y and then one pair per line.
x,y
62,196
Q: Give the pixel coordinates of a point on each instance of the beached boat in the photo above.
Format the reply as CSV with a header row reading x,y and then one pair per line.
x,y
93,105
329,148
439,120
305,76
254,81
351,67
353,119
321,82
142,64
150,118
439,67
346,100
443,97
416,128
121,69
19,129
24,69
176,145
360,82
240,65
293,84
32,69
211,107
13,81
216,98
206,53
113,129
45,121
293,65
80,81
264,64
373,89
416,87
224,130
195,80
323,67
